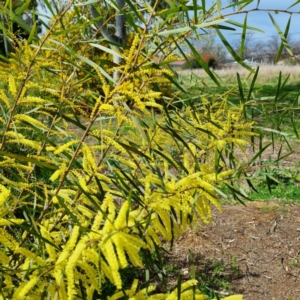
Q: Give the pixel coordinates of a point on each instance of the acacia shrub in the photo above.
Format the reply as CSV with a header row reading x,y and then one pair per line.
x,y
107,199
105,202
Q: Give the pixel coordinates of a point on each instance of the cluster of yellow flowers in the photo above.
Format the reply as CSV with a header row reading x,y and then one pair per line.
x,y
83,197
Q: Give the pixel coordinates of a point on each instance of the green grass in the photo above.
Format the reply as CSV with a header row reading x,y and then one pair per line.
x,y
262,91
215,276
292,90
295,262
290,193
281,184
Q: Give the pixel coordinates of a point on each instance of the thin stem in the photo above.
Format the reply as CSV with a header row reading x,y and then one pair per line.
x,y
261,10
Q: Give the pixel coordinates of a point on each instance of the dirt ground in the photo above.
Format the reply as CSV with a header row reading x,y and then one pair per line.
x,y
263,242
256,248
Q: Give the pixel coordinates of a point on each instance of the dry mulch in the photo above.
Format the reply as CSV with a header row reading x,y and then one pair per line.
x,y
257,246
263,242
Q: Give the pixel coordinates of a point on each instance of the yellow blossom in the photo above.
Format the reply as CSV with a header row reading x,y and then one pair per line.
x,y
65,146
70,267
4,194
12,85
22,293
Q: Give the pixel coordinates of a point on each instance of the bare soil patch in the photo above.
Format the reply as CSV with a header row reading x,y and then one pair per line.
x,y
263,241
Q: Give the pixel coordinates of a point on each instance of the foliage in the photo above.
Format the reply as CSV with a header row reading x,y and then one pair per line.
x,y
215,275
117,192
17,21
193,63
106,200
282,183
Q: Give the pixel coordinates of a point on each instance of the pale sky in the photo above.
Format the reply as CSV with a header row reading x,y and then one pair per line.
x,y
262,20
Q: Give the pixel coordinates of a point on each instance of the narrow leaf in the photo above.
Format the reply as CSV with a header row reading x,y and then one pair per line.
x,y
243,38
232,52
282,36
252,85
94,65
202,62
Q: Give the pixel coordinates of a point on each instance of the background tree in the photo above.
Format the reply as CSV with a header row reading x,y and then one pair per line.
x,y
264,50
208,44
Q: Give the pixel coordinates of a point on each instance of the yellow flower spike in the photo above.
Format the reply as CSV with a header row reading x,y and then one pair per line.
x,y
97,221
69,246
233,297
106,271
131,53
129,293
30,120
55,200
151,235
65,147
160,228
109,204
50,249
83,184
55,175
4,194
12,85
71,265
4,260
8,282
90,255
95,110
85,211
106,107
5,222
89,163
4,99
120,221
165,217
120,250
90,292
7,240
131,239
33,144
112,142
184,286
90,272
134,256
22,293
110,255
203,209
186,161
31,255
106,90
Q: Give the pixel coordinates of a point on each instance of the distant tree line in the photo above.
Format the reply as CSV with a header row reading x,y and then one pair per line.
x,y
256,48
264,50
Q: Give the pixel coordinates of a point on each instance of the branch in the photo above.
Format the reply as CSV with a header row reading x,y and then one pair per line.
x,y
261,10
100,25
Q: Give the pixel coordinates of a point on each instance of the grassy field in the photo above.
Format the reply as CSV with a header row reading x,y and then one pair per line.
x,y
267,74
266,81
